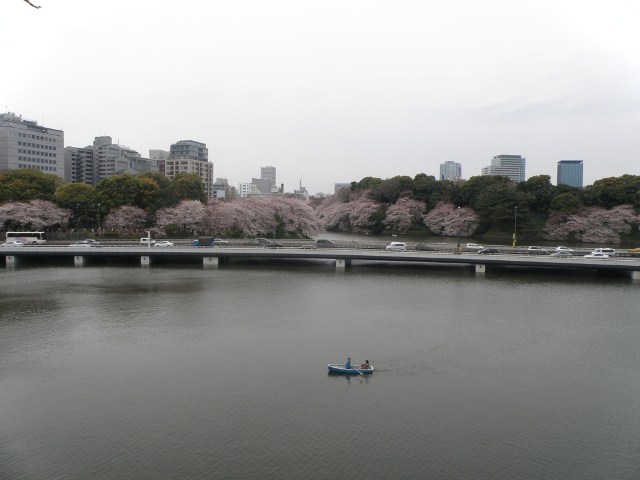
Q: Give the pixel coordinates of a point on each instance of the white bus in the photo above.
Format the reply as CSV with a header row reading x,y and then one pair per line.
x,y
28,238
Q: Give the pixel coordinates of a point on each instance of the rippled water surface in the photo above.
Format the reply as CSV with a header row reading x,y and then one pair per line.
x,y
181,373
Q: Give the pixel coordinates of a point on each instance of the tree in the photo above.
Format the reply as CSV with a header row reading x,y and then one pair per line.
x,y
565,203
450,221
592,224
188,186
389,191
473,187
613,191
126,219
403,215
24,184
79,198
187,217
34,215
541,192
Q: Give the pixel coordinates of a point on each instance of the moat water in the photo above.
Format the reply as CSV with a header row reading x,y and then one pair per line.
x,y
186,373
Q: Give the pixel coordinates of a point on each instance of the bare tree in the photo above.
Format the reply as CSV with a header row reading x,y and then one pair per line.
x,y
34,6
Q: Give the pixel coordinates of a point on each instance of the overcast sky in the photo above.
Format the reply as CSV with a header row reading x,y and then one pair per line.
x,y
335,90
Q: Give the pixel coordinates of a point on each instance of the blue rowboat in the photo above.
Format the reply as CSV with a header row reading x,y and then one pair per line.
x,y
355,370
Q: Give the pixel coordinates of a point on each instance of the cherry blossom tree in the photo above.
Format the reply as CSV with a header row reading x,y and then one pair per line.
x,y
592,224
187,216
251,217
403,214
353,210
36,215
450,221
126,219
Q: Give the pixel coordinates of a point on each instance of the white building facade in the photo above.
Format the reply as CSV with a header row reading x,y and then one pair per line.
x,y
511,166
25,144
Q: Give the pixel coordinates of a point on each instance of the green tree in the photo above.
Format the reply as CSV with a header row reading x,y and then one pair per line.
x,y
366,182
389,191
473,187
496,205
424,187
23,185
540,190
188,186
79,198
613,191
566,203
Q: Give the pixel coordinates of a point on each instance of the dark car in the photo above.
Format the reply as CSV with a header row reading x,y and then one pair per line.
x,y
262,241
273,245
489,251
423,246
324,243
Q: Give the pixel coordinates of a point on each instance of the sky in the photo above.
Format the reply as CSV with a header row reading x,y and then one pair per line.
x,y
333,91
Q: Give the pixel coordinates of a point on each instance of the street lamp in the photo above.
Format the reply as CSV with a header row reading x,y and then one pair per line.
x,y
99,226
515,226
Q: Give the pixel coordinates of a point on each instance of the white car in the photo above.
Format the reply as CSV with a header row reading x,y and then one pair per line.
x,y
564,249
396,247
164,244
597,255
474,246
12,243
536,250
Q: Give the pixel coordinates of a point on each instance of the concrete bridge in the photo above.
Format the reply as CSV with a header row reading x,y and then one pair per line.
x,y
341,257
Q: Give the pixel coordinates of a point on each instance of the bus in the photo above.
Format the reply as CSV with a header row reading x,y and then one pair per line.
x,y
28,238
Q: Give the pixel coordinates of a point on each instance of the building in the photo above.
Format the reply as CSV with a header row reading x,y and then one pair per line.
x,y
246,189
104,159
25,144
570,173
269,174
511,166
450,171
188,156
222,190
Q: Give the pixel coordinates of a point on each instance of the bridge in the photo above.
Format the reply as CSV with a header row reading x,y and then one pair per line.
x,y
211,257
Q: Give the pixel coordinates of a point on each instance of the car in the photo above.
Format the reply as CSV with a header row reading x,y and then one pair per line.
x,y
220,241
634,250
324,243
564,249
489,251
83,243
273,245
164,244
423,246
536,250
396,247
597,255
562,254
12,243
607,251
309,246
262,241
474,246
146,241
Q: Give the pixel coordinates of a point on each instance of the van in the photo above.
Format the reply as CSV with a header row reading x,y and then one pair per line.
x,y
396,247
146,241
607,251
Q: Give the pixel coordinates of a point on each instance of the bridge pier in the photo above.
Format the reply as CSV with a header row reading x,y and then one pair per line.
x,y
480,268
145,261
210,262
341,264
635,275
10,260
78,261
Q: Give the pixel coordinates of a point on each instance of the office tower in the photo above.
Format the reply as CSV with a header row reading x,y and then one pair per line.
x,y
25,144
450,171
570,173
188,156
511,166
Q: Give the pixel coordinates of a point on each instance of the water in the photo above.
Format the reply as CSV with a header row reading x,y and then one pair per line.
x,y
184,373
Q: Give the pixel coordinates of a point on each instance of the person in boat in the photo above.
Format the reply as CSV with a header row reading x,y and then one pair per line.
x,y
348,364
366,365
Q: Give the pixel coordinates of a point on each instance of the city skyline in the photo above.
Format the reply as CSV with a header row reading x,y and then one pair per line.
x,y
332,92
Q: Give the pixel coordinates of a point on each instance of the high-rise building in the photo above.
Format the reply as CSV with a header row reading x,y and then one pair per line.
x,y
25,144
450,171
268,173
570,173
188,156
104,159
511,166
